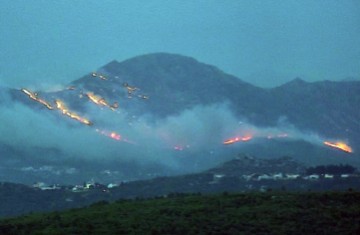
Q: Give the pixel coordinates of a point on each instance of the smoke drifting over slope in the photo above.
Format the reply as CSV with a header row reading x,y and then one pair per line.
x,y
185,117
194,130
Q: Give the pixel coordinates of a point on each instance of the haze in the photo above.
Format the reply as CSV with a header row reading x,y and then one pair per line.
x,y
266,43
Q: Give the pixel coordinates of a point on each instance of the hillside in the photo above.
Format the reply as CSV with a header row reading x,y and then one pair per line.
x,y
268,213
174,83
169,114
242,174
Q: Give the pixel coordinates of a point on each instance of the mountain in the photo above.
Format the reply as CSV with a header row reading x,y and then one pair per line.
x,y
330,108
176,82
172,82
166,129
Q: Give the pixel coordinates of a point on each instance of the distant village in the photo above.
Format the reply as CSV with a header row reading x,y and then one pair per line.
x,y
216,179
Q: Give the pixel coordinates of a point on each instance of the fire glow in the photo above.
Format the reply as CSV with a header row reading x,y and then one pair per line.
x,y
62,107
101,101
339,145
34,96
112,135
237,139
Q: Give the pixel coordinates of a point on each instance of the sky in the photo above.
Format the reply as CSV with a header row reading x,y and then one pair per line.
x,y
267,43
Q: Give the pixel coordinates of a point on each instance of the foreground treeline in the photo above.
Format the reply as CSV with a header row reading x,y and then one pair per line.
x,y
250,213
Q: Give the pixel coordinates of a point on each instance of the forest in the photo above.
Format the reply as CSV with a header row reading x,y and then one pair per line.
x,y
225,213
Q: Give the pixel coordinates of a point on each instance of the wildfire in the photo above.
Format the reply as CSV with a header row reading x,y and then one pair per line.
x,y
101,101
62,107
237,139
112,135
34,96
339,145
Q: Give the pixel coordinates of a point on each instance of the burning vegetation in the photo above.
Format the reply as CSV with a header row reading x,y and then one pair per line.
x,y
237,139
63,108
131,91
112,134
98,100
339,145
34,96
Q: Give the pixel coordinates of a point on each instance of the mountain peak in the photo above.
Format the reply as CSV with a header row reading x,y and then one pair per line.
x,y
162,57
296,82
180,80
164,63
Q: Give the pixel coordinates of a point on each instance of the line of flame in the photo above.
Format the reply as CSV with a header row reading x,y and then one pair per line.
x,y
339,145
33,96
61,106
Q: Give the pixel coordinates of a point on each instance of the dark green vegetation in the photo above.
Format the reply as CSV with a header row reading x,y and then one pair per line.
x,y
253,213
331,169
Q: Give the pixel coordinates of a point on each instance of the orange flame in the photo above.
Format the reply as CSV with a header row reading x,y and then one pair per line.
x,y
34,96
96,99
339,145
101,101
62,107
112,135
238,139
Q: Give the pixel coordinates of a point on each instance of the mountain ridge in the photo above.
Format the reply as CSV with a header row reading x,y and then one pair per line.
x,y
175,83
161,87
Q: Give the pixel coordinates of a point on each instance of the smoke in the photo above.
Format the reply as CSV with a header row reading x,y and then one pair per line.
x,y
196,128
194,132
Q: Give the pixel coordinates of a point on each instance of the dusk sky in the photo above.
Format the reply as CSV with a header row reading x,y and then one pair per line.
x,y
267,43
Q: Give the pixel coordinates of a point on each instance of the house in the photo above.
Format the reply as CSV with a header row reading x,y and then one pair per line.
x,y
39,185
43,186
328,176
312,177
111,185
292,176
278,176
78,188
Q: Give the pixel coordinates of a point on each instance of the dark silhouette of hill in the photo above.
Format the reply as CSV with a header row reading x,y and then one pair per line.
x,y
237,175
331,108
254,213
